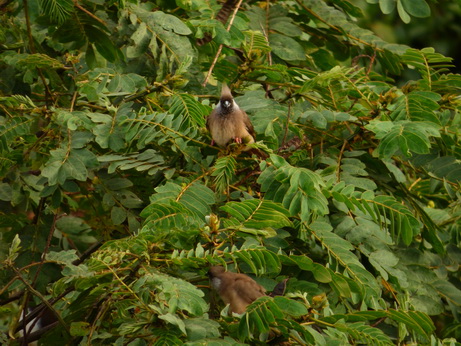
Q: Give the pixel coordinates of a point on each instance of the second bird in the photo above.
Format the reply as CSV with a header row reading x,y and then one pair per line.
x,y
229,123
237,290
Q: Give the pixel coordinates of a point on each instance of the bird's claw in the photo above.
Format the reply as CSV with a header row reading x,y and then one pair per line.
x,y
238,140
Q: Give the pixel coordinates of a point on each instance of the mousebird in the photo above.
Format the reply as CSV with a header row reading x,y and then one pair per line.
x,y
227,122
237,290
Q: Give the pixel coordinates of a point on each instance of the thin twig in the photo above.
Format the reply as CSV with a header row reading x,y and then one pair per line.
x,y
76,4
33,51
43,299
87,253
72,103
218,53
339,160
266,31
45,250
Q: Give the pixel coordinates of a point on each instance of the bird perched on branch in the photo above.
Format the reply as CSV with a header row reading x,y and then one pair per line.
x,y
227,122
239,290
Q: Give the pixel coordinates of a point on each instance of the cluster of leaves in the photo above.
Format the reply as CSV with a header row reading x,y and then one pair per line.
x,y
113,204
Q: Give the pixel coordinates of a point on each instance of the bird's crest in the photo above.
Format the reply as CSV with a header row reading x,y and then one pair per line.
x,y
225,92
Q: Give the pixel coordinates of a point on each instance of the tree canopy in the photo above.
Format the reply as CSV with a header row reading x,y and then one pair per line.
x,y
114,204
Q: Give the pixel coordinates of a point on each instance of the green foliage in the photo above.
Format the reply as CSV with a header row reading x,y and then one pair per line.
x,y
114,205
405,8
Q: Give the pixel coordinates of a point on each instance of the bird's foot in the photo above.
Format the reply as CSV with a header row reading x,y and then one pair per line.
x,y
238,140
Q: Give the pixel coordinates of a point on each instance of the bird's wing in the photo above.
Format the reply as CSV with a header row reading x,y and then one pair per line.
x,y
208,120
249,125
248,290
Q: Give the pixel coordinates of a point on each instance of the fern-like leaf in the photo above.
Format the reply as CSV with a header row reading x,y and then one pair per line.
x,y
164,35
428,63
187,106
158,128
260,260
298,189
364,333
12,129
403,225
224,172
148,161
162,216
256,216
57,10
255,44
194,196
340,249
260,315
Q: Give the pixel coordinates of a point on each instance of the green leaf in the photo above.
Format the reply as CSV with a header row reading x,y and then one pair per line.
x,y
108,135
79,328
170,23
291,307
260,260
256,214
72,225
417,321
73,165
255,44
366,334
255,321
403,136
57,10
174,320
190,108
149,161
286,48
387,6
201,328
6,192
118,215
168,37
163,216
224,172
417,8
303,262
195,196
40,61
298,189
340,285
402,13
321,274
340,249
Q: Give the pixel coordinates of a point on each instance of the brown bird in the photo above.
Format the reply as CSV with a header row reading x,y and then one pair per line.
x,y
237,290
228,122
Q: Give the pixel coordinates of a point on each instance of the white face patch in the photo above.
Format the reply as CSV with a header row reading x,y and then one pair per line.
x,y
216,282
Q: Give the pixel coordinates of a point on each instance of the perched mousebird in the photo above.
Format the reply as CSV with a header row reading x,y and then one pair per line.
x,y
237,290
228,122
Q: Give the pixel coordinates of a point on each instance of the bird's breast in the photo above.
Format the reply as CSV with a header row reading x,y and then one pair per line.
x,y
224,130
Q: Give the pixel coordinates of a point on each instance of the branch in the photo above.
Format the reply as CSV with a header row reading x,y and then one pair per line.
x,y
218,53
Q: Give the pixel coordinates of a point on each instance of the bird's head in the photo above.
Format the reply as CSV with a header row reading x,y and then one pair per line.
x,y
215,271
214,274
226,102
